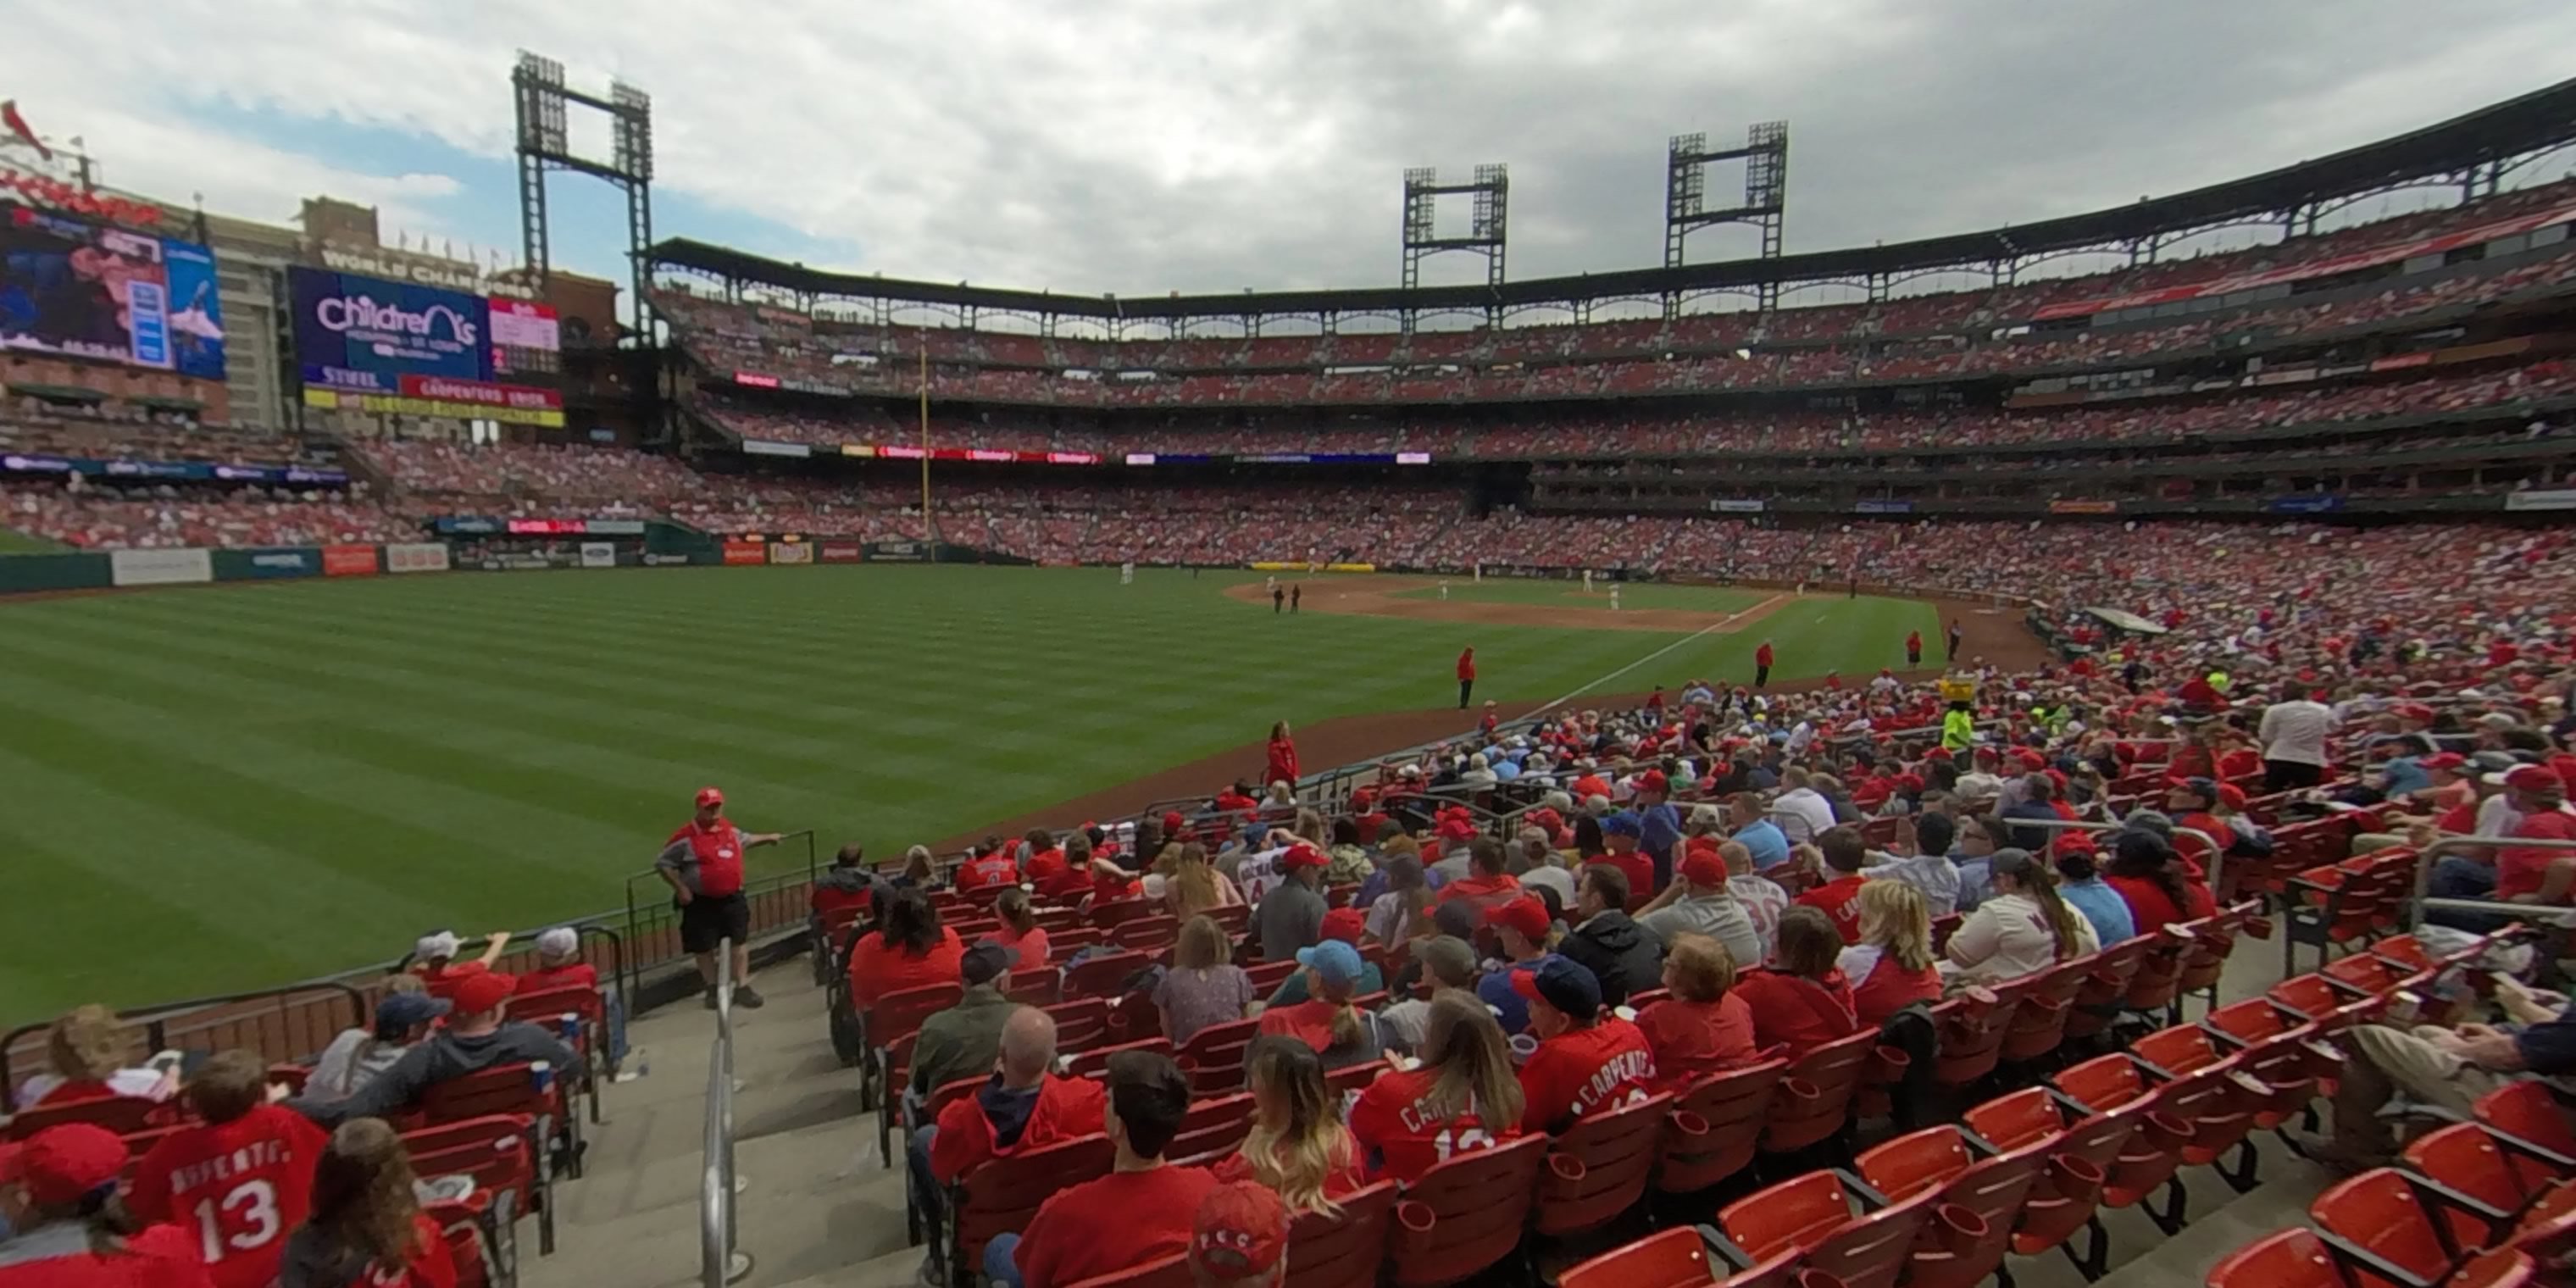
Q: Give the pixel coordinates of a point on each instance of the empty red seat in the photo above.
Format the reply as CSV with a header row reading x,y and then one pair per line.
x,y
1955,1252
1464,1215
1104,975
2038,1022
1213,1057
2097,1000
1080,1024
1212,1129
1969,1029
1672,1259
1715,1126
2202,1086
2149,1151
1597,1169
2077,1162
1820,1219
1347,1249
1095,1062
2381,1217
2294,1258
1814,1096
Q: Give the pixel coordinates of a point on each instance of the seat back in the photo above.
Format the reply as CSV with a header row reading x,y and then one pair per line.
x,y
2097,999
2379,1213
1080,1024
2039,1021
1597,1169
1815,1094
1104,974
1673,1259
1118,912
124,1115
501,1089
1213,1057
1268,976
1992,1194
1212,1129
1344,1250
2184,1048
2529,1111
1001,1194
1970,1028
1095,1062
1715,1126
2023,1118
547,1007
1465,1214
2158,977
898,1015
1150,934
2465,1157
2251,1022
2294,1258
1793,1216
2102,1083
1915,1163
1874,1251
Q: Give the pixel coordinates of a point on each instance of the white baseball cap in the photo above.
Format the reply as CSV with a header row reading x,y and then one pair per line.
x,y
434,946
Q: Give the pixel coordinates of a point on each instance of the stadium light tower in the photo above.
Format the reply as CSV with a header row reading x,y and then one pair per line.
x,y
543,105
1765,155
1487,227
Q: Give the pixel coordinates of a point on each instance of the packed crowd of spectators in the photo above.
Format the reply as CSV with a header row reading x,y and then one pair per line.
x,y
566,474
33,426
1748,432
170,517
1963,333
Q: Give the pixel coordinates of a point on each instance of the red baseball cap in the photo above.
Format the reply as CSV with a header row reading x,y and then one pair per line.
x,y
2450,760
1345,924
1173,824
2231,796
1300,857
1241,1233
709,797
1527,914
476,994
62,1165
1653,780
2072,843
1702,867
2534,778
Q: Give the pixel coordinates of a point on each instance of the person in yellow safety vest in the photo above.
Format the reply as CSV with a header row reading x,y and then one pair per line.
x,y
1958,728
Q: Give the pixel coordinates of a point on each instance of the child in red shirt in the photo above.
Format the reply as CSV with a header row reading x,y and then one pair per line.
x,y
1460,1095
242,1181
1142,1211
1844,853
1587,1062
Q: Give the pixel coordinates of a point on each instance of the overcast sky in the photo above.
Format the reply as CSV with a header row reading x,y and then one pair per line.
x,y
1144,145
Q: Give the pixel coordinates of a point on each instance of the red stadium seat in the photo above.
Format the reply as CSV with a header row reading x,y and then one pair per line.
x,y
2149,1149
1939,1162
1080,1024
2077,1163
2098,999
1104,975
2384,1230
1345,1250
2203,1087
1715,1125
500,1153
1465,1215
1672,1259
1814,1097
1169,1272
2293,1258
1095,1062
1213,1057
1597,1169
1212,1129
124,1115
1000,1195
2038,1023
1821,1218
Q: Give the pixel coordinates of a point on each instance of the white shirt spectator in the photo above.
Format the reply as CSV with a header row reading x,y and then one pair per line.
x,y
2295,732
1802,813
2008,937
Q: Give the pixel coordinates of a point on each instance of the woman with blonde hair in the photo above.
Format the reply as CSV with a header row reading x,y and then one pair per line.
x,y
1298,1146
1194,886
1891,967
1462,1094
2024,927
88,1048
1203,987
367,1227
1403,913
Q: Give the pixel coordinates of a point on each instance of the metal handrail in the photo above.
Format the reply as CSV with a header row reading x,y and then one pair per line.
x,y
720,1262
2432,854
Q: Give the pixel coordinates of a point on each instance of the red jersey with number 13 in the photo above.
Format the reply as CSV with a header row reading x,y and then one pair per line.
x,y
240,1188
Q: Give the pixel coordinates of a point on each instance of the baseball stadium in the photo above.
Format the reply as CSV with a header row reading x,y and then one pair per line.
x,y
2036,753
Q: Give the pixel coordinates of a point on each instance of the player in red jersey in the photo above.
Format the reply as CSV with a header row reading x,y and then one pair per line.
x,y
367,1229
1459,1096
241,1181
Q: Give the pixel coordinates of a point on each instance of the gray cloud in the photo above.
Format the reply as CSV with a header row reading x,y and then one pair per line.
x,y
1145,145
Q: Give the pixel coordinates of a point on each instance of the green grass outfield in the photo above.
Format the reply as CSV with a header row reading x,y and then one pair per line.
x,y
215,789
1570,595
14,542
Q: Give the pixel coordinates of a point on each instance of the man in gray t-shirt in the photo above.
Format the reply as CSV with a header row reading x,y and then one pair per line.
x,y
1291,916
1699,903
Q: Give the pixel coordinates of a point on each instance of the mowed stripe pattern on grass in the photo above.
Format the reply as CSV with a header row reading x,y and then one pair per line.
x,y
228,788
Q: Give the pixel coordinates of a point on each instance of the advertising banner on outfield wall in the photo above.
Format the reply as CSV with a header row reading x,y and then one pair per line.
x,y
418,556
1730,506
348,561
746,552
267,562
2083,507
898,551
841,552
161,567
598,554
791,552
2553,499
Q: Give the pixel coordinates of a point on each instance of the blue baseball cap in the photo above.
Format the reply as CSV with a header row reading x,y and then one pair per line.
x,y
396,1012
1563,983
1622,823
1336,962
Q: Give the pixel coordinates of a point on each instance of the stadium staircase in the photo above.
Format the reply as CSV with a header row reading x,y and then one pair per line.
x,y
816,1207
818,1210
